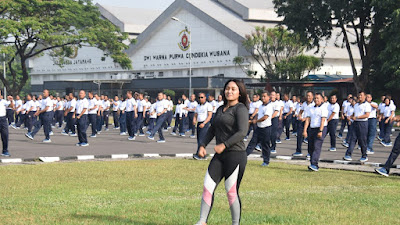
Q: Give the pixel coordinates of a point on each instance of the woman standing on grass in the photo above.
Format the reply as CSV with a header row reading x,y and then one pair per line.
x,y
229,127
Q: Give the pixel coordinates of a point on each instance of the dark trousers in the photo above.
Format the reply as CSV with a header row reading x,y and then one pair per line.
x,y
82,125
262,136
274,128
100,122
21,120
159,122
387,130
359,133
168,119
343,125
122,122
130,124
382,129
10,116
294,123
349,132
139,122
4,132
116,119
393,155
70,126
146,118
45,121
300,138
53,118
315,144
17,117
151,124
92,119
185,120
371,132
59,114
191,125
286,123
279,130
332,126
178,124
30,120
201,133
252,126
106,115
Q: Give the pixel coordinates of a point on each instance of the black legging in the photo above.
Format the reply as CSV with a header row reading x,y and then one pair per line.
x,y
229,165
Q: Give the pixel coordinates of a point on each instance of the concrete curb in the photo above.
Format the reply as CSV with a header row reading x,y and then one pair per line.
x,y
180,155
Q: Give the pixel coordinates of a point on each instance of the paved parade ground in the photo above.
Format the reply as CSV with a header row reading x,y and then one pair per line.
x,y
110,142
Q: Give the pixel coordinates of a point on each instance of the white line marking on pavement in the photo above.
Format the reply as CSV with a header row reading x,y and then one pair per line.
x,y
85,157
11,160
254,156
374,164
119,156
184,155
49,159
151,155
284,157
341,162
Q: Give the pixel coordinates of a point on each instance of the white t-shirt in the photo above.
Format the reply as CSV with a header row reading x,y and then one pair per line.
x,y
47,102
92,103
141,104
106,105
221,103
170,105
153,110
82,104
276,107
18,104
373,110
192,105
305,107
254,105
178,110
287,106
361,109
215,105
161,105
334,108
116,105
130,104
202,111
387,111
265,110
122,105
60,105
345,104
72,105
3,105
316,113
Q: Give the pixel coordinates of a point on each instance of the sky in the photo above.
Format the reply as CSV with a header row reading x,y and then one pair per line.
x,y
145,4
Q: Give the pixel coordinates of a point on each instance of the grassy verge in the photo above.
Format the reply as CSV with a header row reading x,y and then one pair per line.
x,y
169,191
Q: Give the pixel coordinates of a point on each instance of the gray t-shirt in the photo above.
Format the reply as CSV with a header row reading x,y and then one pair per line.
x,y
229,127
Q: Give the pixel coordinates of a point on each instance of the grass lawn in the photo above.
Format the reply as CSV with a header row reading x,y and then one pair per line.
x,y
168,191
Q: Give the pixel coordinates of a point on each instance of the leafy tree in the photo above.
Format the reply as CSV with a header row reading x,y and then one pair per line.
x,y
317,20
276,51
386,67
30,28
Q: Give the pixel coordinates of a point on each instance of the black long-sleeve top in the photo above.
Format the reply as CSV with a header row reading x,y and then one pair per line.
x,y
229,127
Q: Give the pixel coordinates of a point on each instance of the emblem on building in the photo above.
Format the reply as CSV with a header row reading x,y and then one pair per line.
x,y
184,44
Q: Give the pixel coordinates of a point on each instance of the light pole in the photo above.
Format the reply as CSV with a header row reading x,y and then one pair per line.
x,y
190,52
4,74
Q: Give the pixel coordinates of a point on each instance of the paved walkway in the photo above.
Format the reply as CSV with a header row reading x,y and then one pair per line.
x,y
110,142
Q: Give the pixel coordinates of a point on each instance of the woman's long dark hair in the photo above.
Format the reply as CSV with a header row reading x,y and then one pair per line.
x,y
242,92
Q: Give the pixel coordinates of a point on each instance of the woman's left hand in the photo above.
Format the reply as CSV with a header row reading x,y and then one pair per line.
x,y
219,148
